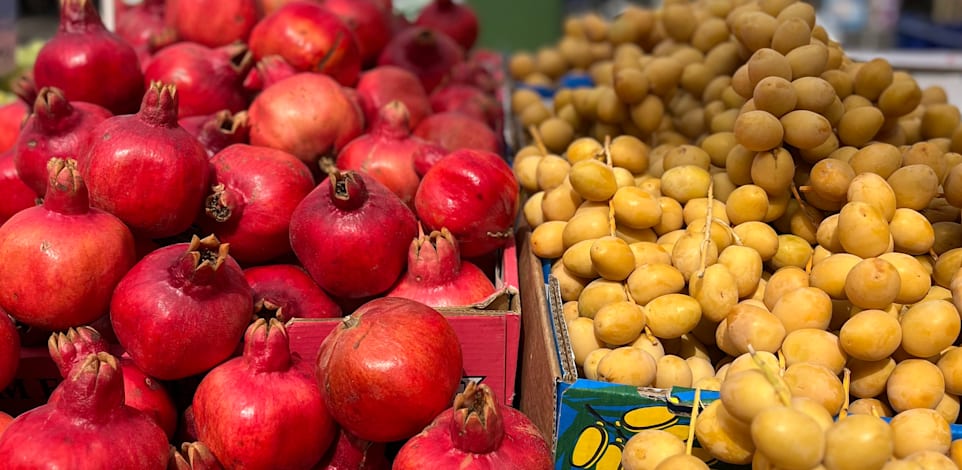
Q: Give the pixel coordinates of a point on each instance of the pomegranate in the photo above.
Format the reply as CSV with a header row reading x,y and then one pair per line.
x,y
268,71
454,19
263,410
253,192
76,255
140,391
146,169
140,24
369,22
88,62
468,100
475,74
5,421
182,309
350,233
351,453
382,85
438,277
307,115
311,38
213,23
426,156
428,53
90,427
389,368
17,196
207,80
56,128
193,456
474,195
12,116
219,130
386,153
9,350
455,130
478,433
286,291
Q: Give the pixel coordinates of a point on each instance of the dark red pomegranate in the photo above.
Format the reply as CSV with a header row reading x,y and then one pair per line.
x,y
286,291
308,115
454,19
478,433
469,100
351,233
55,128
219,130
428,53
438,277
389,368
88,62
9,350
17,196
76,255
254,191
83,429
386,153
311,38
370,24
263,410
455,130
474,195
140,24
351,453
480,71
382,85
146,169
426,156
192,456
141,392
182,309
207,80
12,116
268,71
213,23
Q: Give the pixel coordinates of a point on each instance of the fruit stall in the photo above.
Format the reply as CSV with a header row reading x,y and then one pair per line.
x,y
346,235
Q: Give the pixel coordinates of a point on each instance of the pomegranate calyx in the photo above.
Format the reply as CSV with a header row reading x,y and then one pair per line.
x,y
476,425
393,121
267,309
348,190
51,107
200,263
79,16
70,347
94,388
192,456
434,258
66,191
25,88
266,346
221,203
350,321
241,58
159,106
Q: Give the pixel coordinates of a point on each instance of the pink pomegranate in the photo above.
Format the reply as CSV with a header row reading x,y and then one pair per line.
x,y
263,410
207,80
140,24
455,130
286,291
213,23
311,38
382,85
17,195
428,53
468,100
76,255
268,71
370,23
12,116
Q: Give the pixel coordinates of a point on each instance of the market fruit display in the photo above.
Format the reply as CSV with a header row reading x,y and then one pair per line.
x,y
728,201
247,166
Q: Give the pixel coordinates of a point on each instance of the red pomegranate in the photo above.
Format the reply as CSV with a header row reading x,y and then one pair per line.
x,y
474,195
88,62
286,291
140,24
469,100
182,309
350,234
389,368
76,255
428,53
454,19
9,350
426,156
12,116
208,80
351,453
213,23
17,195
268,71
56,128
5,421
193,456
263,410
309,37
307,115
81,430
146,169
371,25
478,433
219,130
382,85
455,130
254,191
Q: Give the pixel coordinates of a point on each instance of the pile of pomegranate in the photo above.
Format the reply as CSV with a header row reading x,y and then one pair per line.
x,y
177,189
